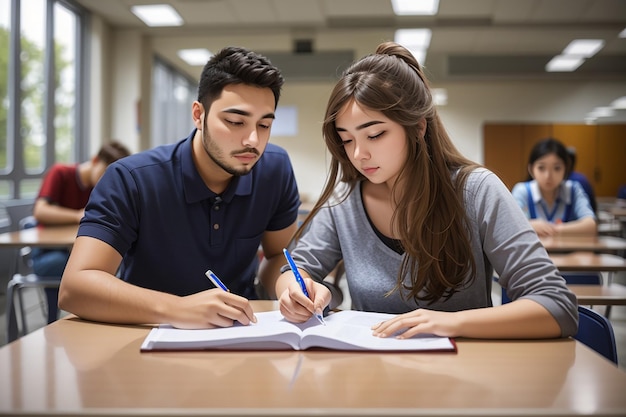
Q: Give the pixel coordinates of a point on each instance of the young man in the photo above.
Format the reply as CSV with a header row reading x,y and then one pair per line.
x,y
62,199
165,216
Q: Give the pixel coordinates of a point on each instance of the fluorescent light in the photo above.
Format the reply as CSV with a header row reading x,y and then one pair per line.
x,y
198,56
622,34
619,103
413,38
419,54
415,7
440,96
157,15
602,112
584,47
564,63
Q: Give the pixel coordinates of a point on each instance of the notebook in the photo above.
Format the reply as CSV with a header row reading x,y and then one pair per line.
x,y
344,330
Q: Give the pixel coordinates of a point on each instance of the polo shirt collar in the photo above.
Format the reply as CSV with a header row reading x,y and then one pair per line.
x,y
564,194
194,187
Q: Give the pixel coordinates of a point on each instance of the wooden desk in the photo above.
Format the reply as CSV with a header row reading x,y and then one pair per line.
x,y
588,261
606,244
618,211
82,368
50,236
606,295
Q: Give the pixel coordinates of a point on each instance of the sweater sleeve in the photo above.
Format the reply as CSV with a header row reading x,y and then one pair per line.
x,y
516,253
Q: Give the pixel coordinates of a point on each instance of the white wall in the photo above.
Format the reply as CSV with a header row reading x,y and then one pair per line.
x,y
470,104
99,80
126,81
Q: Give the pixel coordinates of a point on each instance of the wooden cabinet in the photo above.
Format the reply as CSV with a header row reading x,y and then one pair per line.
x,y
600,150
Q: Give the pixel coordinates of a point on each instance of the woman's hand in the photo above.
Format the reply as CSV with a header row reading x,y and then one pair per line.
x,y
420,321
297,307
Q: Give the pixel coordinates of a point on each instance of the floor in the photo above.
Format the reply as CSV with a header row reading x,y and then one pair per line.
x,y
36,317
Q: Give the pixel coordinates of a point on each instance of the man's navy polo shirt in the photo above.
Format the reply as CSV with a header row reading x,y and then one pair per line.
x,y
155,210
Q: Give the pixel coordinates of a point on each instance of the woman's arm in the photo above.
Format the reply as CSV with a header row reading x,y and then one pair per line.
x,y
521,319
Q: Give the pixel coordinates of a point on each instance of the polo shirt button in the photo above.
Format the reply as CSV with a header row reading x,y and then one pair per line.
x,y
216,226
216,208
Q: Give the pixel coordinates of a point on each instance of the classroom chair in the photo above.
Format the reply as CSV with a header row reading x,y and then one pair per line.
x,y
595,331
23,277
571,278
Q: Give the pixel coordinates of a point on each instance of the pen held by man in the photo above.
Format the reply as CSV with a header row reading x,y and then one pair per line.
x,y
233,306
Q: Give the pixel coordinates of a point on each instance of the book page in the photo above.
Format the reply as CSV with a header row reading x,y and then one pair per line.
x,y
271,332
352,330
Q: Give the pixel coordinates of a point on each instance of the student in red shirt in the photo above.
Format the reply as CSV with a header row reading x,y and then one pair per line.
x,y
62,199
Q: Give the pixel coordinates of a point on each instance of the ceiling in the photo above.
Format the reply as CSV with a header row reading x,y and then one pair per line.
x,y
471,39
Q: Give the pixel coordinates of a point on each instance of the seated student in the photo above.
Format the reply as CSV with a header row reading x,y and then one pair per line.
x,y
62,199
582,179
165,216
420,228
553,204
621,192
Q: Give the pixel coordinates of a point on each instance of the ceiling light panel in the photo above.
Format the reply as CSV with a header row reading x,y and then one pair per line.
x,y
157,15
415,7
413,38
195,57
564,63
583,47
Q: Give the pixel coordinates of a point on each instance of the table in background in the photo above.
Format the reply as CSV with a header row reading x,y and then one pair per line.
x,y
606,295
589,262
79,367
48,237
565,243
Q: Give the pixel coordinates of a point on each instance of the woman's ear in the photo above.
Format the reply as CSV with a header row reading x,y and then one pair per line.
x,y
421,127
530,171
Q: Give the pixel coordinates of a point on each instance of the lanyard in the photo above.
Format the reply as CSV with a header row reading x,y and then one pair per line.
x,y
550,215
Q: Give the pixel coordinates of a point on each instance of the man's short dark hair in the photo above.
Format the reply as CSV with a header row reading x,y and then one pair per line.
x,y
112,151
234,65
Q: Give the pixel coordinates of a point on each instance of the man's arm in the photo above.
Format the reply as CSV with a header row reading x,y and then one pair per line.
x,y
90,289
273,258
47,213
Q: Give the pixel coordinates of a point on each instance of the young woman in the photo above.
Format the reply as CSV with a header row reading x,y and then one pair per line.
x,y
553,204
420,228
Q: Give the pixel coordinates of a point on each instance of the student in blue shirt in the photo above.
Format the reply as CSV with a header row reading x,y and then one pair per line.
x,y
582,179
160,219
553,204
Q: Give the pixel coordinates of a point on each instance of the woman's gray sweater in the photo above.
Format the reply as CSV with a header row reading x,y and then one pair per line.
x,y
502,241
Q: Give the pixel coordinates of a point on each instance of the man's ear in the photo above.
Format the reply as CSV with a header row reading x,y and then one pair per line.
x,y
197,112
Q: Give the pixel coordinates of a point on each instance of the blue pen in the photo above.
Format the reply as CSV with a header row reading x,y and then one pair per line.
x,y
300,281
215,280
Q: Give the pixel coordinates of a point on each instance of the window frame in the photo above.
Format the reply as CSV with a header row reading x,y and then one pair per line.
x,y
16,172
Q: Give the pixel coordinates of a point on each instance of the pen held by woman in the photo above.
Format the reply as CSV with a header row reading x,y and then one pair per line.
x,y
317,313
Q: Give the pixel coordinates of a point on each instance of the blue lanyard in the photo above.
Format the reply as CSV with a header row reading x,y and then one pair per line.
x,y
550,216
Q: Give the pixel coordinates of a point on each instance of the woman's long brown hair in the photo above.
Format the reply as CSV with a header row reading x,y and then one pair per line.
x,y
430,217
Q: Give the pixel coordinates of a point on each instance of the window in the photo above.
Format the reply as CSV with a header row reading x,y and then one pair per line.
x,y
5,31
40,50
172,95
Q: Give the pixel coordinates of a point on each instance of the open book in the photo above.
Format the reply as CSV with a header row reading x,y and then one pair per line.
x,y
344,330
